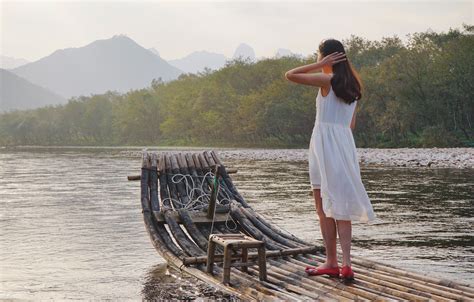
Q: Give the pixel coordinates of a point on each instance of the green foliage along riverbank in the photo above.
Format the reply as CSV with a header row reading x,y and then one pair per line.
x,y
416,94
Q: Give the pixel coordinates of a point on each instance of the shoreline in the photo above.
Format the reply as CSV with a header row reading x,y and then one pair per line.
x,y
461,158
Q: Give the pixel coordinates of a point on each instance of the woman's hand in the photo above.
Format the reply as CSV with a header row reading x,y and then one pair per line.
x,y
300,74
333,58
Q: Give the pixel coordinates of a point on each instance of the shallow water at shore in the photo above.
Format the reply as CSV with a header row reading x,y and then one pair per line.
x,y
71,224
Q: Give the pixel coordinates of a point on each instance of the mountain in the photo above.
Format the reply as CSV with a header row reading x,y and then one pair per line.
x,y
18,93
118,63
197,60
282,52
153,50
10,62
244,51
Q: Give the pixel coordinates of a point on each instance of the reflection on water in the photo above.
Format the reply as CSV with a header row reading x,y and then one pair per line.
x,y
167,284
71,225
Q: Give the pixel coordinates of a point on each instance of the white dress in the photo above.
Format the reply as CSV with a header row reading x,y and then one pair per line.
x,y
333,161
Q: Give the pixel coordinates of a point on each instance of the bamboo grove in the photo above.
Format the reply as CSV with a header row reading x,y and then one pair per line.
x,y
417,93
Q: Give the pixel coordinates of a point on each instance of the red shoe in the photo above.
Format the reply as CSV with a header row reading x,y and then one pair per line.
x,y
346,273
313,271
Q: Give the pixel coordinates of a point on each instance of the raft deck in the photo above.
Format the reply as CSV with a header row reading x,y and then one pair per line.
x,y
176,190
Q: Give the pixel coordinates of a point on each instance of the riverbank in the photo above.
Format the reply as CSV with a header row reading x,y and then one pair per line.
x,y
403,157
408,157
461,158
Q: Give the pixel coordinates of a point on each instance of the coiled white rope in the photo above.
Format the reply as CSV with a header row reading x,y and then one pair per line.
x,y
198,198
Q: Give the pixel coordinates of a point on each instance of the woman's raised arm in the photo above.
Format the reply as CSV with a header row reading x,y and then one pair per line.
x,y
300,74
313,79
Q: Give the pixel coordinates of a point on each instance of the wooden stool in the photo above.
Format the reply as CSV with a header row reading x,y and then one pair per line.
x,y
229,241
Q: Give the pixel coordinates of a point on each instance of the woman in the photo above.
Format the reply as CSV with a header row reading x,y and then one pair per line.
x,y
339,194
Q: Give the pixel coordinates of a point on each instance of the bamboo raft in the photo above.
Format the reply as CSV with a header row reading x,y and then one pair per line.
x,y
180,221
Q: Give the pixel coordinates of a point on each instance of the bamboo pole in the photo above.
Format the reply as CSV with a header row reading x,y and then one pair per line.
x,y
153,179
145,194
221,170
229,182
203,163
186,244
164,194
192,171
392,269
222,209
168,241
215,189
196,234
186,170
419,284
276,287
138,177
278,240
386,269
171,185
202,170
326,285
423,287
180,186
192,230
250,229
230,191
276,229
427,290
323,291
337,286
289,286
269,254
209,167
383,286
266,230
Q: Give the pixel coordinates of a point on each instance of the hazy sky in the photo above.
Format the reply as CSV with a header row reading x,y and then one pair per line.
x,y
34,29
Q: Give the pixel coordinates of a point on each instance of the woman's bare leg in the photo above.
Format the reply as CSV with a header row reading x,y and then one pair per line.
x,y
320,214
328,231
344,228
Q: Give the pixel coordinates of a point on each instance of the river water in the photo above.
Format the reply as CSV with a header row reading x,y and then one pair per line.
x,y
71,224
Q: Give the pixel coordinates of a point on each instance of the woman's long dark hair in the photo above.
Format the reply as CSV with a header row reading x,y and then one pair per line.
x,y
346,82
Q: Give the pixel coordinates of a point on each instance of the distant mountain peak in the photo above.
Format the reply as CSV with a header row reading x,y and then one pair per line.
x,y
120,39
11,62
198,60
117,63
245,51
121,36
283,52
114,41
